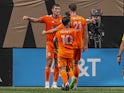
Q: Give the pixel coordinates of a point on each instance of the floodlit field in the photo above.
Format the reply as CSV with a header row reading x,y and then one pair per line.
x,y
78,90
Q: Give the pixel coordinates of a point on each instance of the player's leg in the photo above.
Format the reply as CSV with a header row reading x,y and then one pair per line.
x,y
64,75
47,72
76,72
62,68
77,57
56,74
71,73
49,56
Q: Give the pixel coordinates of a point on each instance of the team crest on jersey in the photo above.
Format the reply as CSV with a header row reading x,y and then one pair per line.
x,y
48,54
53,22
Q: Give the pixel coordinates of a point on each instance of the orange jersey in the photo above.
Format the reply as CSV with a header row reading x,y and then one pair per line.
x,y
78,23
61,26
51,23
66,42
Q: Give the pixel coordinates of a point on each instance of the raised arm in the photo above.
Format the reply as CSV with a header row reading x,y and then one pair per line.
x,y
85,38
91,21
32,19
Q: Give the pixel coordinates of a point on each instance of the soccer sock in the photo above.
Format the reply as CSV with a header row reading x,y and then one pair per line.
x,y
64,76
71,73
56,73
76,71
47,74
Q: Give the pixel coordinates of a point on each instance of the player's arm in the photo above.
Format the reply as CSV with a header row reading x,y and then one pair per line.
x,y
91,21
85,38
120,52
32,19
51,30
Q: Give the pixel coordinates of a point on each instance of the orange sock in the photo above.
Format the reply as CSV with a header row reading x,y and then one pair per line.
x,y
71,73
64,76
56,73
47,74
76,71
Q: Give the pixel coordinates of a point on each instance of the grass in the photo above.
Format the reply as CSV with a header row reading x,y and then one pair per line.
x,y
78,90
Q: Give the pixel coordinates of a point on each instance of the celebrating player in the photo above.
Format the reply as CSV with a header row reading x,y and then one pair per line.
x,y
66,41
80,24
51,21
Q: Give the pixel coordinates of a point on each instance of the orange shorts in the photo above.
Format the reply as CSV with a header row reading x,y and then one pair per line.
x,y
50,51
77,54
65,62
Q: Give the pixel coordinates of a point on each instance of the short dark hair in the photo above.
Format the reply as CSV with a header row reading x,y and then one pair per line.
x,y
67,14
55,5
72,7
65,20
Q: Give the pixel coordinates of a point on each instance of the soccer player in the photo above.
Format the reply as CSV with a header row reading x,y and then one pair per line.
x,y
51,22
120,50
66,41
80,24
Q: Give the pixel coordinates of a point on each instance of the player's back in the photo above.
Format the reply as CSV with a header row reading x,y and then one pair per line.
x,y
66,42
78,22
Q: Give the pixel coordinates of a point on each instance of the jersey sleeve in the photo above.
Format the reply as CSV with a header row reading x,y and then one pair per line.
x,y
84,21
61,26
43,19
56,34
123,38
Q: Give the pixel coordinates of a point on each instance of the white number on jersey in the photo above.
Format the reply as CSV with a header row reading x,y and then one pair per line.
x,y
77,25
67,39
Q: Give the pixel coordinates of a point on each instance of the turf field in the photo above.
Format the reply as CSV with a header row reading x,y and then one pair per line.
x,y
78,90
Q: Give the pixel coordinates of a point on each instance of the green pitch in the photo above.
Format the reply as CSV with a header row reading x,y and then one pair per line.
x,y
78,90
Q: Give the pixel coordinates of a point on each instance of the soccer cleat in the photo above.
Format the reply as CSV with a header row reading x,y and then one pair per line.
x,y
66,87
47,85
73,82
54,86
63,87
75,86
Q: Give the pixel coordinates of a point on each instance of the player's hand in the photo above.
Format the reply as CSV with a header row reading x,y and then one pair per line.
x,y
85,48
43,32
93,21
25,17
119,59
